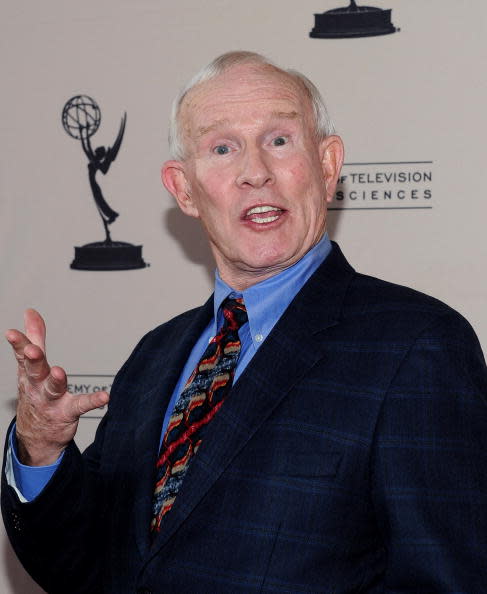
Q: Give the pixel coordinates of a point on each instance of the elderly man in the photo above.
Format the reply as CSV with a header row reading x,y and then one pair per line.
x,y
308,429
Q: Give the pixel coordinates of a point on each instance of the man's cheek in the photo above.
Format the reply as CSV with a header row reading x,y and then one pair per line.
x,y
297,174
215,182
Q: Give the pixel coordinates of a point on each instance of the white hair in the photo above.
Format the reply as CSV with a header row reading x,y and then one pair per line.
x,y
323,123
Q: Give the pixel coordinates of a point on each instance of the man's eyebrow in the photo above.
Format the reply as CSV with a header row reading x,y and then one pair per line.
x,y
287,115
202,130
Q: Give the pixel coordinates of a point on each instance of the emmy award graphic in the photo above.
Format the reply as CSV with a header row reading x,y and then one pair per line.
x,y
353,21
81,119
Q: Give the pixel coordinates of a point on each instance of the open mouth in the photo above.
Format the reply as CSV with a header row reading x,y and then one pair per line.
x,y
263,214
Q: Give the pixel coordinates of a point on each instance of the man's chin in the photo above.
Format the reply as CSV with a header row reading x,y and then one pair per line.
x,y
263,268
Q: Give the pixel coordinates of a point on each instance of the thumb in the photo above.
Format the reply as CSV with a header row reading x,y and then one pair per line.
x,y
86,402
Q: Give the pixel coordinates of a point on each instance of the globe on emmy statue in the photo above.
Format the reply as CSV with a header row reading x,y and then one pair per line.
x,y
353,21
81,118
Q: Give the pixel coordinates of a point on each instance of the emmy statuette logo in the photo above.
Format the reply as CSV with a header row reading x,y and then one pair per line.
x,y
353,21
81,119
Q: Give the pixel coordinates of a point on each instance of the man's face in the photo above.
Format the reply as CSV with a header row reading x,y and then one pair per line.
x,y
254,172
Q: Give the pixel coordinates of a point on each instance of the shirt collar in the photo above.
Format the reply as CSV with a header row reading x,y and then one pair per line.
x,y
267,300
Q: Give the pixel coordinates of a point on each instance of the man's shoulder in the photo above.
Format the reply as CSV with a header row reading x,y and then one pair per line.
x,y
177,326
401,309
371,290
367,301
155,349
179,320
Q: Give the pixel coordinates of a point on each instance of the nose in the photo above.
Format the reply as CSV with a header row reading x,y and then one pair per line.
x,y
255,169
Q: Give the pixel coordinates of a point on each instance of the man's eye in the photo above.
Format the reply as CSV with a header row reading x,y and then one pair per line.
x,y
279,141
221,149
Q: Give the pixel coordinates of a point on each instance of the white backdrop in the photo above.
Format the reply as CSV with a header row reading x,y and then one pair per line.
x,y
410,104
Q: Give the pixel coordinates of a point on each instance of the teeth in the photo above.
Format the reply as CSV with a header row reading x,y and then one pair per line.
x,y
265,220
259,209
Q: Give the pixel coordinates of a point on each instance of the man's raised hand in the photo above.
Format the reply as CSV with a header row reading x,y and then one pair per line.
x,y
47,415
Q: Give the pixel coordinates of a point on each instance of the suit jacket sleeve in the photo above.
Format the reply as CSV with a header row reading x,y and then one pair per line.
x,y
59,536
429,466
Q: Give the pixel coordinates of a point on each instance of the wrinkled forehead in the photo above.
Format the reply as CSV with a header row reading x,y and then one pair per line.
x,y
246,84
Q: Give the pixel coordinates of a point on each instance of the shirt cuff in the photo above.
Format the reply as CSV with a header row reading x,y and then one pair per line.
x,y
27,481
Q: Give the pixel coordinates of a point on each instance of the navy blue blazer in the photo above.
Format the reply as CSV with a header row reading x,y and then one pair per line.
x,y
350,456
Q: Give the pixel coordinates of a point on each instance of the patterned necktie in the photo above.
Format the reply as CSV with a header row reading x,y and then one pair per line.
x,y
200,400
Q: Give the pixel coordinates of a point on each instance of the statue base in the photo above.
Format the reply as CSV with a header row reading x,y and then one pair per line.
x,y
361,21
103,255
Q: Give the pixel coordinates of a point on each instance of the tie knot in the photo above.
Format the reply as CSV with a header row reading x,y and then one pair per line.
x,y
234,312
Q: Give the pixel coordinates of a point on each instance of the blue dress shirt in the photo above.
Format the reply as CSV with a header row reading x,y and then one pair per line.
x,y
265,301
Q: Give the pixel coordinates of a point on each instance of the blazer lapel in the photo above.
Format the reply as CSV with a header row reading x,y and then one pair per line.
x,y
152,402
288,353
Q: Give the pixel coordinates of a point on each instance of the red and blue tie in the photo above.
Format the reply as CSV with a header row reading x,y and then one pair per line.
x,y
201,398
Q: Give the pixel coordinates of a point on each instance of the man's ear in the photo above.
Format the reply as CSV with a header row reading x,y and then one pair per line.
x,y
176,183
332,153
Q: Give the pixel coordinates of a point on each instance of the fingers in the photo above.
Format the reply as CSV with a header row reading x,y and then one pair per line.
x,y
18,342
49,384
29,348
35,363
86,402
56,383
35,328
35,334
